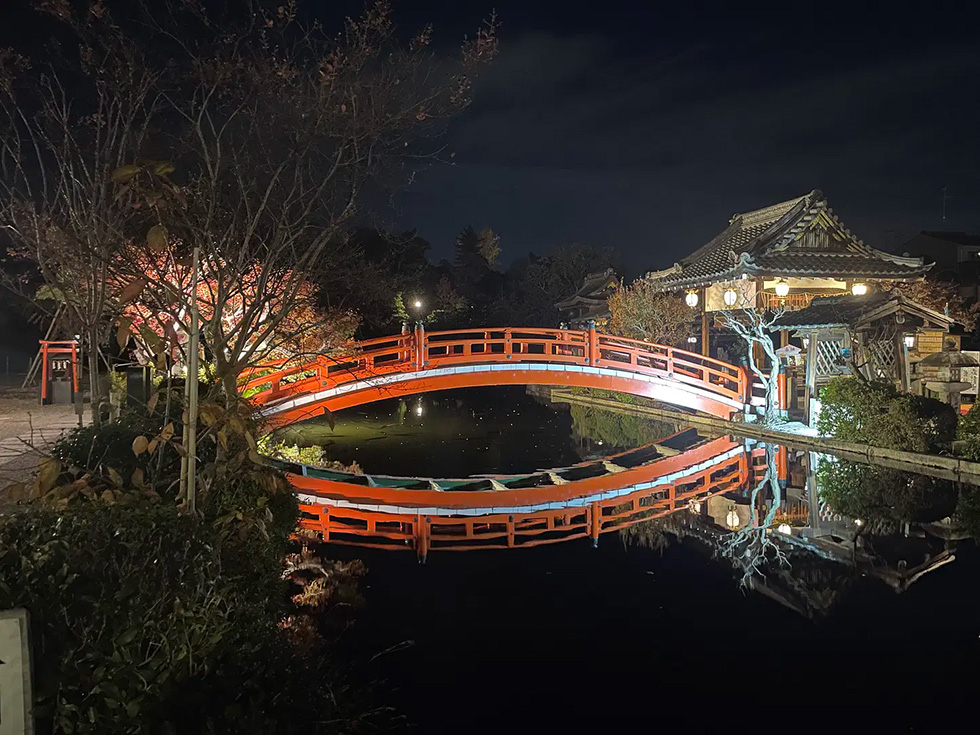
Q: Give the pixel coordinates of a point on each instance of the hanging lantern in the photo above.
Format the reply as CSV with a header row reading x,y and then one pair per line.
x,y
691,299
910,341
806,342
784,529
859,289
732,518
782,289
731,296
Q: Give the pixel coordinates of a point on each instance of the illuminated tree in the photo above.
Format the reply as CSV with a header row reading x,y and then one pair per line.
x,y
643,311
277,126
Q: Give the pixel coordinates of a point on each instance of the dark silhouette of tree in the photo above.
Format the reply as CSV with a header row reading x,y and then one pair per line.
x,y
278,129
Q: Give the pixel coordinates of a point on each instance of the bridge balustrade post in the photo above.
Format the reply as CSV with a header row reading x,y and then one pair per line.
x,y
592,352
419,345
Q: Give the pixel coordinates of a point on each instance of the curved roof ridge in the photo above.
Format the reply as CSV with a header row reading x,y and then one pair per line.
x,y
776,211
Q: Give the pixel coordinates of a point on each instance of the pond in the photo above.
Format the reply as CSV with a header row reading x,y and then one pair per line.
x,y
653,620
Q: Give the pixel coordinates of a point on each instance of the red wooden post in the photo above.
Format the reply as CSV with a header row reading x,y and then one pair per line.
x,y
596,518
419,346
593,350
44,372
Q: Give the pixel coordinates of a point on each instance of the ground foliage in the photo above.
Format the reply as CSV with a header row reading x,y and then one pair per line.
x,y
149,619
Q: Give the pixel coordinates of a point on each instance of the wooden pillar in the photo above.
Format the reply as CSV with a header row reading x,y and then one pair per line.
x,y
783,337
705,334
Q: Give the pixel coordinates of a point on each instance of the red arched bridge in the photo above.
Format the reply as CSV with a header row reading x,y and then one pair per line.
x,y
505,511
419,361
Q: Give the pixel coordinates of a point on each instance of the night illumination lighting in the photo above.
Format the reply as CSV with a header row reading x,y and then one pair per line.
x,y
692,340
732,518
910,341
782,289
418,304
784,529
731,296
859,289
691,299
418,410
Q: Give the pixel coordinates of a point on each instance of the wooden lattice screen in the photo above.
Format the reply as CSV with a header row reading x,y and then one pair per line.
x,y
881,359
829,357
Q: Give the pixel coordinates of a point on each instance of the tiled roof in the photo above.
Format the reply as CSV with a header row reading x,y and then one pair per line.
x,y
850,311
593,289
799,237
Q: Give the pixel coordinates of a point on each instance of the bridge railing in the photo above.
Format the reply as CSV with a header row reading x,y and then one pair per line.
x,y
419,350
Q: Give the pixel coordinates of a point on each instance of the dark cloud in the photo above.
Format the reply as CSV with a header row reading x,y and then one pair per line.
x,y
575,137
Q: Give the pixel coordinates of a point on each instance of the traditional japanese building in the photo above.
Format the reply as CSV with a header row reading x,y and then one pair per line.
x,y
783,255
590,302
881,335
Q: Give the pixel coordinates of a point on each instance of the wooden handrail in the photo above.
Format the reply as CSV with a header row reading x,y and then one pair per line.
x,y
420,350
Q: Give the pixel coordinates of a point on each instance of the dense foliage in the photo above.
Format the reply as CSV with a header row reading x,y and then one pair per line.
x,y
875,413
137,606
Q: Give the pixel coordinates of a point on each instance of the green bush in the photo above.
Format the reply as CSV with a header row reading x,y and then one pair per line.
x,y
125,603
876,413
968,431
863,491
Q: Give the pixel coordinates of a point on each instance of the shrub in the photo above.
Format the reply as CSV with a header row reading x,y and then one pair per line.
x,y
876,413
125,603
850,407
968,431
863,491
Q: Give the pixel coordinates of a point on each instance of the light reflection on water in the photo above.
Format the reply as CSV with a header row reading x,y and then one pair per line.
x,y
781,540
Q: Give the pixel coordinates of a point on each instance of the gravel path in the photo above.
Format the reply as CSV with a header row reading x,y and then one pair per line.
x,y
27,431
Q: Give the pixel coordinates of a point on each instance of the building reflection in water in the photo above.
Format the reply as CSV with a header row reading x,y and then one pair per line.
x,y
784,542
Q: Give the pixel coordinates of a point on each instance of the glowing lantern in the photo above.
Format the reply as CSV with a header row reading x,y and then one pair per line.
x,y
692,340
910,341
691,299
731,296
784,529
782,289
732,518
859,289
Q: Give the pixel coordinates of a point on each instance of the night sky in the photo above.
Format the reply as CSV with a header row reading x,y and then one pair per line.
x,y
645,126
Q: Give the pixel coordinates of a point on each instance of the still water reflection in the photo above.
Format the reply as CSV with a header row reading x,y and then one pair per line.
x,y
775,530
765,582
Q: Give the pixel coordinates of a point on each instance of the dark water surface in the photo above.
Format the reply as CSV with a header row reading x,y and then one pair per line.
x,y
581,639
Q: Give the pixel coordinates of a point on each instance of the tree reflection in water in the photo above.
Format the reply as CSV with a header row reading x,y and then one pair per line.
x,y
754,546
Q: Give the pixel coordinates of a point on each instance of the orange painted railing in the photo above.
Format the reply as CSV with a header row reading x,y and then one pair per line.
x,y
423,530
420,350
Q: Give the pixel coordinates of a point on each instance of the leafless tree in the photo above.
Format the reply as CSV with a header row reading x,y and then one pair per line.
x,y
754,327
62,134
276,131
753,547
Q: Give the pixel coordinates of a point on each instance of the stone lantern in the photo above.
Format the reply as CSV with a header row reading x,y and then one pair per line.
x,y
941,372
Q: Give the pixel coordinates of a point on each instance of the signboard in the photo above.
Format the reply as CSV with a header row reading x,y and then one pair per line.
x,y
971,375
15,674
